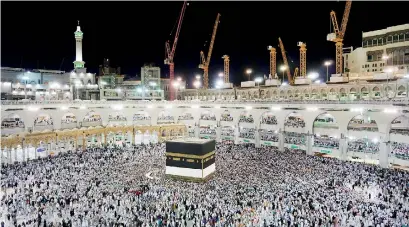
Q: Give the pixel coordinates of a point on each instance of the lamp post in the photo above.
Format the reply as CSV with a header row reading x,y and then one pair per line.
x,y
176,85
327,64
219,83
25,78
385,58
313,75
258,80
248,72
282,69
196,84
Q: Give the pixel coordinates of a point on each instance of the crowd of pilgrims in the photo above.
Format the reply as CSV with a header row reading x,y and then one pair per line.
x,y
186,117
400,131
93,118
191,131
116,118
12,123
226,117
227,131
165,118
269,120
362,125
208,117
363,145
246,119
207,131
268,135
296,122
294,138
247,133
43,121
400,150
251,187
326,142
140,117
68,120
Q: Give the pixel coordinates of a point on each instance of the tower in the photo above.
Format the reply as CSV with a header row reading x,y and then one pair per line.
x,y
303,59
226,69
273,62
78,63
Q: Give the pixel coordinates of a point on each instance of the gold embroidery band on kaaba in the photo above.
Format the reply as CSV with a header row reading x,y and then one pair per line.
x,y
180,155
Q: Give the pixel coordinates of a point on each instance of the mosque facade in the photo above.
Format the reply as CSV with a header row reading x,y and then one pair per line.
x,y
365,130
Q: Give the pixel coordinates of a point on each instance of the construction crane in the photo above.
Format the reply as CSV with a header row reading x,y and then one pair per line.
x,y
206,61
170,53
289,77
338,35
303,59
226,69
273,62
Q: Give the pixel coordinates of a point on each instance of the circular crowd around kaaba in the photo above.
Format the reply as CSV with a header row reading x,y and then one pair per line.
x,y
251,187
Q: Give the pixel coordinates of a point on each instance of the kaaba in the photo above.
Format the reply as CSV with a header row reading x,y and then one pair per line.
x,y
190,159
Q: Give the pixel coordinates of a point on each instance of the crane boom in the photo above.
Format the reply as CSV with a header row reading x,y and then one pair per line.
x,y
209,53
338,35
289,77
205,64
345,18
334,21
170,53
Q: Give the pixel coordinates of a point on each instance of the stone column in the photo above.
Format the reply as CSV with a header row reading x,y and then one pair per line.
x,y
281,141
75,143
48,150
2,158
197,131
257,139
24,152
236,135
15,154
84,138
384,151
343,149
133,137
218,134
309,144
9,155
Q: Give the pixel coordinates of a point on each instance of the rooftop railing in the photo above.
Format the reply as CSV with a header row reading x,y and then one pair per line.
x,y
399,101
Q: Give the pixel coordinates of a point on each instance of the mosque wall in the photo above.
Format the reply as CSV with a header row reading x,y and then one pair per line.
x,y
125,115
246,121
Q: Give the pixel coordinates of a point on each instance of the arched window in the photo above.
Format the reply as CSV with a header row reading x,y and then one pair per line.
x,y
395,38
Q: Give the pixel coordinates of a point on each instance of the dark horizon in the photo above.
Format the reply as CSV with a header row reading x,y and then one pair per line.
x,y
131,34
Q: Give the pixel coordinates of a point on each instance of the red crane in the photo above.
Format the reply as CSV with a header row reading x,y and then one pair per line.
x,y
170,53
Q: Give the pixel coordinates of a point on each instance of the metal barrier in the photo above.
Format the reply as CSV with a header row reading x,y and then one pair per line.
x,y
398,101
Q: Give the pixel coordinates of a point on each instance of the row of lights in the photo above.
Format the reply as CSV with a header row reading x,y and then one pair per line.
x,y
283,68
178,83
80,74
54,85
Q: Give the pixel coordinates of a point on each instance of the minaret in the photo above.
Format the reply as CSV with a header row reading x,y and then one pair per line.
x,y
78,63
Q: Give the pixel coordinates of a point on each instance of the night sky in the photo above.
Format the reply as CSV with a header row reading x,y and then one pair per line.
x,y
41,34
